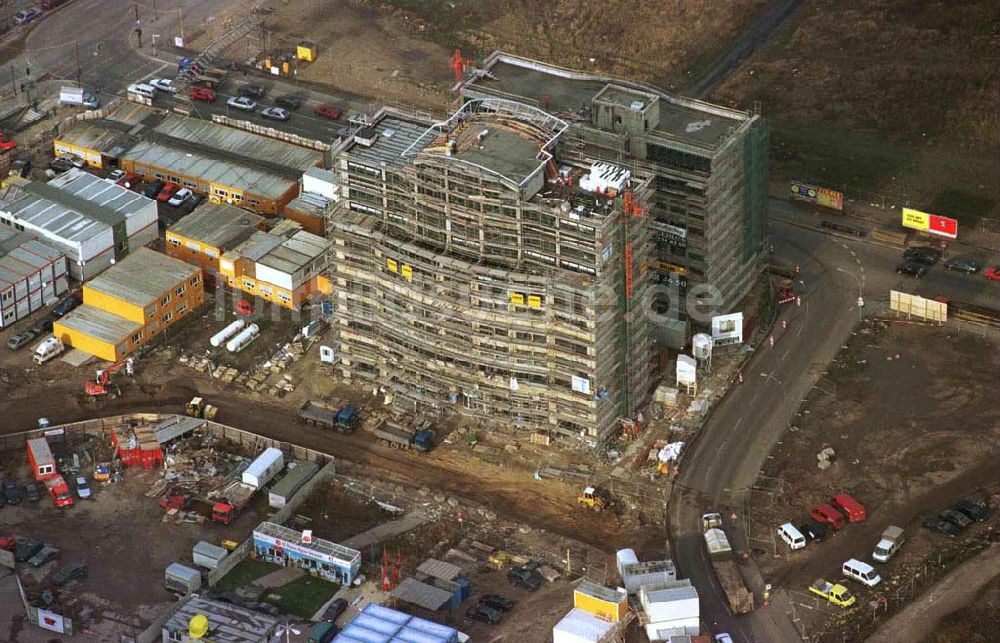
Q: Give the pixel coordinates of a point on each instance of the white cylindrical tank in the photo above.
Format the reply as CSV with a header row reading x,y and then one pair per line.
x,y
702,346
246,336
625,557
220,337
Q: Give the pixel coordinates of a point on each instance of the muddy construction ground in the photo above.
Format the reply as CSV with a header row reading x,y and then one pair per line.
x,y
910,412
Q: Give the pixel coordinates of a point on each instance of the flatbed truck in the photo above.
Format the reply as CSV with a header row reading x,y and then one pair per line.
x,y
398,437
720,553
833,592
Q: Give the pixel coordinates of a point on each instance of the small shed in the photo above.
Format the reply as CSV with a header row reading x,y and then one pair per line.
x,y
603,602
580,626
207,555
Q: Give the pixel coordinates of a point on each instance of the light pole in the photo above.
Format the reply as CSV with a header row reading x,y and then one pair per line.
x,y
861,299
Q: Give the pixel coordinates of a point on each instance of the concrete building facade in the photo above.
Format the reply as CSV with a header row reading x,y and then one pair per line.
x,y
89,219
130,304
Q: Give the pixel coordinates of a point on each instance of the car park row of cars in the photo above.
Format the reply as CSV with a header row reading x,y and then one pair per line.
x,y
952,521
491,607
918,260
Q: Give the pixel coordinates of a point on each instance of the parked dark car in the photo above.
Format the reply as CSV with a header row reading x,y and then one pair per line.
x,y
975,509
334,610
11,492
483,614
912,268
956,517
26,548
43,325
32,492
153,189
66,304
69,573
290,101
964,264
842,228
497,602
926,256
813,530
941,526
21,168
61,164
43,555
252,91
527,578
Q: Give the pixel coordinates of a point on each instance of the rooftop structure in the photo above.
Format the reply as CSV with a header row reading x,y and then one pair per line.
x,y
91,220
708,166
378,624
217,225
142,279
99,324
226,623
93,141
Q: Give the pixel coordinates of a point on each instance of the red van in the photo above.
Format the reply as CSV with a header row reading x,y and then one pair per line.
x,y
827,515
855,510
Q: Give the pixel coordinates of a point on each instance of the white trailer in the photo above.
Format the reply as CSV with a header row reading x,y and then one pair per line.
x,y
264,468
181,579
207,555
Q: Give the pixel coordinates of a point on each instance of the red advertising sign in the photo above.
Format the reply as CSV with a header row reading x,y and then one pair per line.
x,y
943,226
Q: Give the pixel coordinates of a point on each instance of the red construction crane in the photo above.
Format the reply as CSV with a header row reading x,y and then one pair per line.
x,y
102,386
457,64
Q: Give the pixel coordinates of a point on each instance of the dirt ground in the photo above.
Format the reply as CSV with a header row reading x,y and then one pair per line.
x,y
119,534
907,409
884,97
336,514
976,623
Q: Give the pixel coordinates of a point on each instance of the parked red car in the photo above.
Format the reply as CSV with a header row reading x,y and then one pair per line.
x,y
8,543
855,510
129,181
167,192
827,515
203,94
328,111
244,307
993,274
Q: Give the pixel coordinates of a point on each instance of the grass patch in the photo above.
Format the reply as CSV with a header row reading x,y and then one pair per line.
x,y
303,596
244,572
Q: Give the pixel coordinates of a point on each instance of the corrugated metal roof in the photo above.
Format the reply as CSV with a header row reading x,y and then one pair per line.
x,y
217,225
600,592
234,141
228,623
295,253
143,277
75,206
99,135
20,261
439,569
426,596
99,324
175,427
205,168
258,245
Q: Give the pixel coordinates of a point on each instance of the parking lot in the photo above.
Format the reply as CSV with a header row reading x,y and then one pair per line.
x,y
905,409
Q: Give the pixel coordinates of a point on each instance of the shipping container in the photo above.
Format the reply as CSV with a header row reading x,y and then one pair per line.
x,y
284,489
43,465
652,572
207,555
181,579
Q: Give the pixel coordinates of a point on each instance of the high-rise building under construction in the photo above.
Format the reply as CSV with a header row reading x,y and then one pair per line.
x,y
505,261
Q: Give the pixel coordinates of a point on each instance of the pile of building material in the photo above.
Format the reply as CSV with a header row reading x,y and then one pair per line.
x,y
825,458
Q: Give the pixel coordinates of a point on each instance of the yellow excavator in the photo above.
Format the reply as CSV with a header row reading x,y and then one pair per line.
x,y
593,499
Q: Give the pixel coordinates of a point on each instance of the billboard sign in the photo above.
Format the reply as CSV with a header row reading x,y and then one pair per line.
x,y
727,329
820,196
915,306
930,223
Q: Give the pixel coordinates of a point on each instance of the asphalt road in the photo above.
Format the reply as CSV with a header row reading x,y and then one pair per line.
x,y
742,430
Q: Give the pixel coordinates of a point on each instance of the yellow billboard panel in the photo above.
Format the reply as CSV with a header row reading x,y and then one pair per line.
x,y
916,219
534,301
517,299
391,265
406,271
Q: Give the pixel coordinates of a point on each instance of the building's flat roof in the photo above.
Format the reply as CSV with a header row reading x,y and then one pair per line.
x,y
75,206
203,167
505,152
99,135
99,324
22,260
256,246
143,277
423,594
217,225
380,623
295,253
328,548
566,92
214,136
395,134
227,622
600,592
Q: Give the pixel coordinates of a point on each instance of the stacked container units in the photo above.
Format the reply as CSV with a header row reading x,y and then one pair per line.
x,y
32,276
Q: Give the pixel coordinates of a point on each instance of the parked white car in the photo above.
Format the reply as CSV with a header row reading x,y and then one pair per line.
x,y
164,85
243,103
179,197
82,488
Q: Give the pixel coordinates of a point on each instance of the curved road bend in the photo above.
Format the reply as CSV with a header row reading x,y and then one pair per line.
x,y
743,428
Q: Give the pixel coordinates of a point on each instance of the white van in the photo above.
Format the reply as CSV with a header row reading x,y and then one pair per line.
x,y
861,572
47,349
142,89
792,536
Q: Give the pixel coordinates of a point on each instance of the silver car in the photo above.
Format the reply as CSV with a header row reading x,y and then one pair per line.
x,y
275,114
243,103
